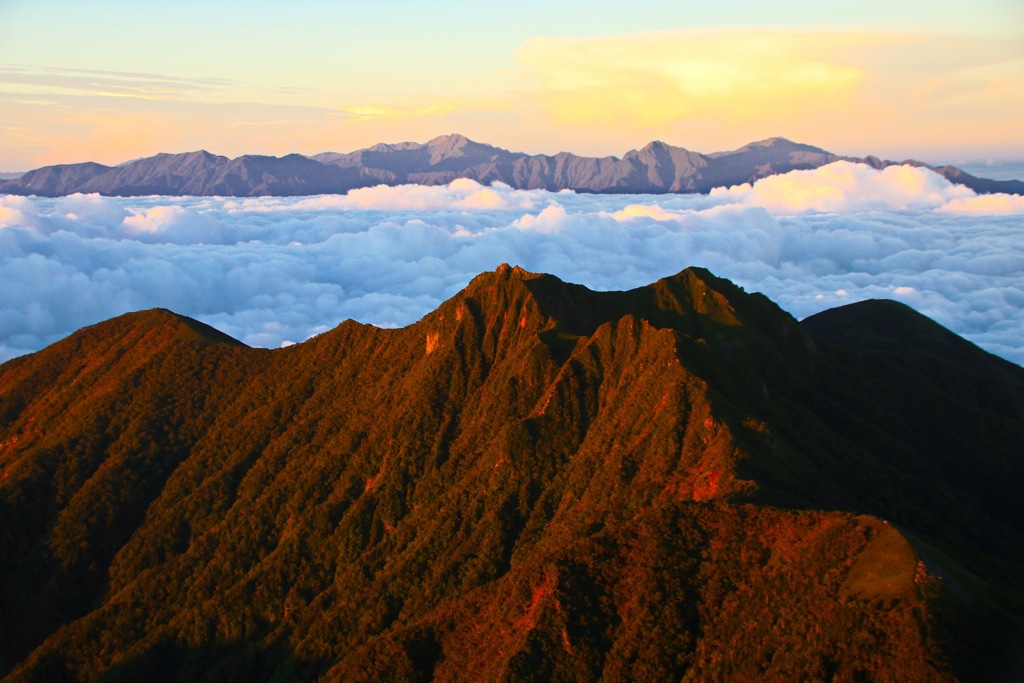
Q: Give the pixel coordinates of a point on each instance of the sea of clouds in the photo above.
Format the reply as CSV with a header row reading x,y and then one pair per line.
x,y
273,271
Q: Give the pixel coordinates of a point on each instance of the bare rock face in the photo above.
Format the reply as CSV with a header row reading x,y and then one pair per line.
x,y
656,168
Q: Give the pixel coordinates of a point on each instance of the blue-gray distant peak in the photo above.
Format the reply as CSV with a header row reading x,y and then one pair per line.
x,y
657,167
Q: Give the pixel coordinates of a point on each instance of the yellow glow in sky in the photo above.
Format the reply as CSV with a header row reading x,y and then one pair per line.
x,y
663,78
895,93
857,92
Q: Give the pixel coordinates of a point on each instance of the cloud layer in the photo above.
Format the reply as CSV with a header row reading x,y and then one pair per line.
x,y
272,271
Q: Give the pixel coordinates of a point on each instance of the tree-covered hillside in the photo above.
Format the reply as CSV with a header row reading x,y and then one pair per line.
x,y
534,482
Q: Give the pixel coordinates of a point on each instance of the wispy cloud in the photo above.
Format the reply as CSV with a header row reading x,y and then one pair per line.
x,y
86,126
896,94
42,80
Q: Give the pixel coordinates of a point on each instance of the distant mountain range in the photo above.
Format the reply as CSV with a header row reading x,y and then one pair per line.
x,y
535,482
656,168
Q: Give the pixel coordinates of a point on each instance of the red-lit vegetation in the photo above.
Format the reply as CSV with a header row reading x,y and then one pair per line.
x,y
534,482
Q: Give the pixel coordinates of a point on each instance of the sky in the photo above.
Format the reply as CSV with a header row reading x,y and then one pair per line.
x,y
111,80
271,271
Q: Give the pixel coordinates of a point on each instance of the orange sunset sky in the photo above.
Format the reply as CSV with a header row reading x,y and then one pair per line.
x,y
111,81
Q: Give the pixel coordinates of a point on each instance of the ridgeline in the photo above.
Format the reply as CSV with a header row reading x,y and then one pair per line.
x,y
656,168
534,482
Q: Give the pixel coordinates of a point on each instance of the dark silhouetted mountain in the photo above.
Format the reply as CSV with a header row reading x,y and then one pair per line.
x,y
534,482
657,168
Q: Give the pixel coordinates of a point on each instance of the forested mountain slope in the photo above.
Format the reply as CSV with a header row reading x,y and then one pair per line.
x,y
534,482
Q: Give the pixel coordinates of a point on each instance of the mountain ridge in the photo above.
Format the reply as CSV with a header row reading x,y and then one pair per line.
x,y
535,479
655,168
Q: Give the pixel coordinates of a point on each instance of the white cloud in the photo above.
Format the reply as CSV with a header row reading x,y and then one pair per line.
x,y
16,212
275,270
153,221
92,208
987,205
550,220
844,186
460,195
652,211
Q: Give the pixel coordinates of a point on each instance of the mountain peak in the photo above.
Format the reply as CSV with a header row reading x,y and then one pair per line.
x,y
775,141
658,167
693,303
162,324
450,140
447,146
579,484
887,325
658,144
455,146
507,272
779,144
653,148
197,154
879,324
391,147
